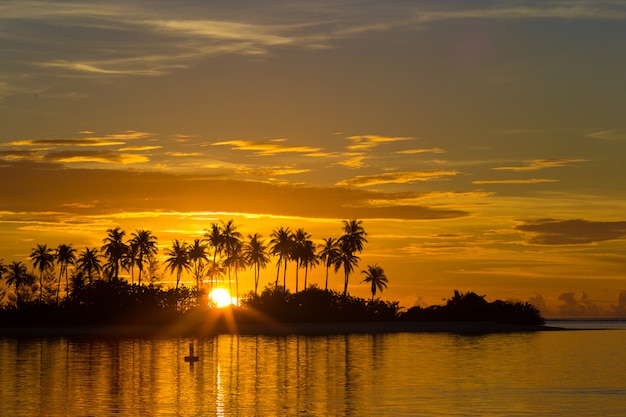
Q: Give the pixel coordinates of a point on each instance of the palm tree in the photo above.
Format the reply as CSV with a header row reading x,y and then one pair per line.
x,y
308,258
43,258
352,241
281,246
65,255
231,241
198,255
129,260
256,254
215,239
375,275
146,244
329,252
17,276
237,262
214,271
178,259
114,250
89,263
349,261
297,248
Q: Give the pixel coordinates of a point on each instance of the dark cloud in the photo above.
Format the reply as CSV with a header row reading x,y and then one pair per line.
x,y
577,307
43,187
571,232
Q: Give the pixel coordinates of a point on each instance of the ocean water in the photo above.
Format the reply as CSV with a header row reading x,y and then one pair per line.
x,y
561,373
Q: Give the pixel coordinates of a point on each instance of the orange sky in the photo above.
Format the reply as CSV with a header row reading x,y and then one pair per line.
x,y
481,144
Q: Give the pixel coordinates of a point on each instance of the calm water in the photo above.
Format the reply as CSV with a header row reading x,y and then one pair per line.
x,y
570,373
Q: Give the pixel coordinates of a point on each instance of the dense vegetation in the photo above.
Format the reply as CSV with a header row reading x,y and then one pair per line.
x,y
89,290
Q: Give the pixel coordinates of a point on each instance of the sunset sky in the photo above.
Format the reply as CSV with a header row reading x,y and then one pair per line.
x,y
482,143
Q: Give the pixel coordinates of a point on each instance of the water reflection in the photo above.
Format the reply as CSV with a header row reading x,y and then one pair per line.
x,y
393,374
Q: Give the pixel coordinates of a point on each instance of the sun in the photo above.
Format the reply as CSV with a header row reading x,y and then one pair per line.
x,y
220,297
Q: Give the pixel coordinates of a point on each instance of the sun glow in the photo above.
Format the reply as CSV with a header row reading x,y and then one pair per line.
x,y
220,297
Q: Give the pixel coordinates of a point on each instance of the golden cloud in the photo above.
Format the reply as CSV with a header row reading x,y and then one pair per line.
x,y
527,181
538,164
395,178
266,148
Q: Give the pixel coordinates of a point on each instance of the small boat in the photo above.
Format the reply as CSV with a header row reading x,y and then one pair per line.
x,y
191,357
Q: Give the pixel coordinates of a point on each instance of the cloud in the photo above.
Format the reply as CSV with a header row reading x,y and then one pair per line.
x,y
354,161
161,192
538,164
526,181
395,178
571,232
607,135
367,142
576,307
266,148
95,156
417,151
140,148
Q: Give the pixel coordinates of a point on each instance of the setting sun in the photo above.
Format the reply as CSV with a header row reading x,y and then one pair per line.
x,y
220,297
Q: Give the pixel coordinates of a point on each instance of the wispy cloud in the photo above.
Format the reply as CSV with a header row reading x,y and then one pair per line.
x,y
395,178
367,142
607,135
524,181
267,148
95,156
420,150
538,164
569,232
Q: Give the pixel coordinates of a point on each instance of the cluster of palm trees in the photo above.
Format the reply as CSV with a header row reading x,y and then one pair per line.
x,y
221,252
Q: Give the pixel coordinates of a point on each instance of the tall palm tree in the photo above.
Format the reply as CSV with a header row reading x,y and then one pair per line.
x,y
17,275
237,262
297,249
231,241
114,250
65,255
43,258
352,241
215,239
146,244
281,246
308,258
349,261
129,260
89,263
329,253
256,254
178,259
198,256
214,271
375,275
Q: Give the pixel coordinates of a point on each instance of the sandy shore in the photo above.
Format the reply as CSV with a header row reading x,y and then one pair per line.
x,y
281,329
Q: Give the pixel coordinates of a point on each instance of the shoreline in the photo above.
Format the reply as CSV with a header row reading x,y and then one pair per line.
x,y
281,329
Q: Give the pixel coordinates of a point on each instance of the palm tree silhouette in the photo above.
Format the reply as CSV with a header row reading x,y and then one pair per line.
x,y
43,258
256,254
231,240
329,253
349,261
297,249
237,262
198,256
375,275
17,276
89,263
308,258
281,246
352,241
146,244
214,271
129,259
114,250
65,255
178,259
